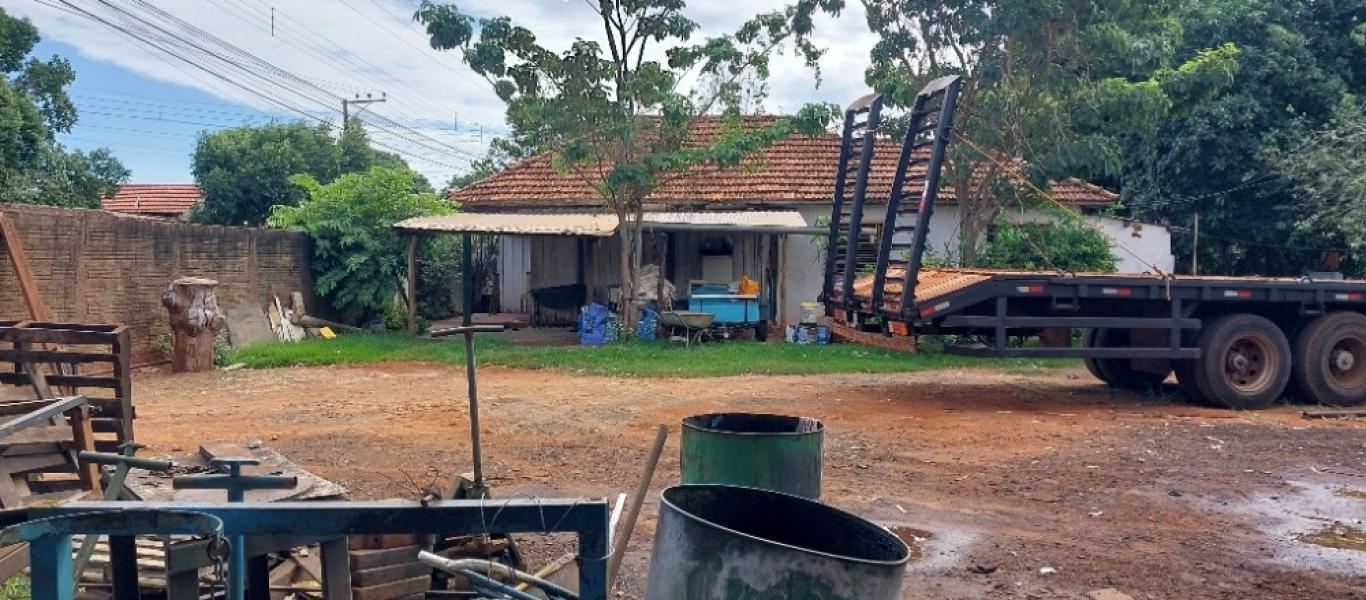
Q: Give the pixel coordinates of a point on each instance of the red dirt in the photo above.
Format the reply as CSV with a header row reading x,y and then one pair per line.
x,y
1011,473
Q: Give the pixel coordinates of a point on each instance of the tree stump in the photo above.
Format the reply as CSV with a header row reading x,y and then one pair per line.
x,y
192,304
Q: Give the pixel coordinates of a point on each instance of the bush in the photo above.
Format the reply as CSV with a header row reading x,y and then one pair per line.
x,y
358,258
1069,245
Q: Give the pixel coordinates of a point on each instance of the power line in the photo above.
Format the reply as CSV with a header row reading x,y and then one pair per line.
x,y
144,38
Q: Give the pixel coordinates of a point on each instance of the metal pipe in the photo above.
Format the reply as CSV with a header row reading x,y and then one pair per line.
x,y
458,566
493,586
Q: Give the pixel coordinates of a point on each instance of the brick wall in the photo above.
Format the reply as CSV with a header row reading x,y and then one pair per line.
x,y
98,267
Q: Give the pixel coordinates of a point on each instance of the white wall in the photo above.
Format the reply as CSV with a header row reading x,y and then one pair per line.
x,y
514,272
803,268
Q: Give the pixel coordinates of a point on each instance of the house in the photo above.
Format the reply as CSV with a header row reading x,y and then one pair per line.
x,y
760,220
162,200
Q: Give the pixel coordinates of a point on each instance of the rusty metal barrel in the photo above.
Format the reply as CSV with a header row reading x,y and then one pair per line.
x,y
772,452
716,542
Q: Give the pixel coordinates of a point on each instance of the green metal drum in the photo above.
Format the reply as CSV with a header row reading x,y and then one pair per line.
x,y
772,452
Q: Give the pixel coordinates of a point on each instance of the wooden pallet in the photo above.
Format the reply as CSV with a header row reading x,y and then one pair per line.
x,y
93,360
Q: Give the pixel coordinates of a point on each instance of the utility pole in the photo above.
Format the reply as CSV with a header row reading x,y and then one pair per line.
x,y
368,99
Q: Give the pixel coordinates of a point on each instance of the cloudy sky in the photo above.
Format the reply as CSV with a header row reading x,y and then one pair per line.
x,y
136,96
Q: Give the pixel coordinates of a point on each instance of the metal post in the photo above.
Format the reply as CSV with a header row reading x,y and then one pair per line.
x,y
467,277
472,376
1195,247
50,568
236,485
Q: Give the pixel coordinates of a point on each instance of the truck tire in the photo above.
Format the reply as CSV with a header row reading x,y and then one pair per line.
x,y
1244,362
1093,364
1119,372
1185,377
1330,359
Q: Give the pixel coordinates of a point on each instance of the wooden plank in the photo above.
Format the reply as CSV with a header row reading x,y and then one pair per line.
x,y
380,541
10,494
65,337
9,236
35,462
83,439
391,590
62,380
102,327
50,434
56,356
369,559
15,450
379,575
123,372
13,561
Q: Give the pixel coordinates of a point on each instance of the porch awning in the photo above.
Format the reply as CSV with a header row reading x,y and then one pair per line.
x,y
572,224
604,224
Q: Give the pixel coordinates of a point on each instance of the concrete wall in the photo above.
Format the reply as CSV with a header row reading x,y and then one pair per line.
x,y
95,266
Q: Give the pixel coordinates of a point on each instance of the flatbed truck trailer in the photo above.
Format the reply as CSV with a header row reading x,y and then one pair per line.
x,y
1235,342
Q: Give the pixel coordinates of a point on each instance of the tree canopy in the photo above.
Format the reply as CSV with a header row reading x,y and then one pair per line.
x,y
1233,159
616,110
245,171
34,108
1059,84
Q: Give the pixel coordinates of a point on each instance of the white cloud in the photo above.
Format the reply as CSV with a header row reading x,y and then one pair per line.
x,y
372,46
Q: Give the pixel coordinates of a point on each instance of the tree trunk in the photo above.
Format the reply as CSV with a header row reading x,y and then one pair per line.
x,y
192,305
630,268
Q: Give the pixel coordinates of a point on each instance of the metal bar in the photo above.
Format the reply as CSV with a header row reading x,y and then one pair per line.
x,y
467,278
514,515
989,351
41,415
473,381
930,193
889,228
1017,322
827,286
855,225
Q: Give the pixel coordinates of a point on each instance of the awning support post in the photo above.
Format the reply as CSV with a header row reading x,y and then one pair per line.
x,y
412,283
467,275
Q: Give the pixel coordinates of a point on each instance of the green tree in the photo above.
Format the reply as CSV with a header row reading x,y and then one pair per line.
x,y
1060,84
359,259
34,108
1300,61
245,171
617,117
1327,176
1065,244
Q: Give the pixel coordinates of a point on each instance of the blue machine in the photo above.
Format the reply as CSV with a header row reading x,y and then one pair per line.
x,y
50,530
729,307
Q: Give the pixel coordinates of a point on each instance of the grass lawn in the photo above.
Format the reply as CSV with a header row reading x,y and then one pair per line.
x,y
635,359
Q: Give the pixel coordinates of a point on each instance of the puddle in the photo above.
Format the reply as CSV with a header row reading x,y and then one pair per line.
x,y
915,539
1341,537
1309,525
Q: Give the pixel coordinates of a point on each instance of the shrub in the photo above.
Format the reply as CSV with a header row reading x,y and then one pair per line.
x,y
1069,245
358,258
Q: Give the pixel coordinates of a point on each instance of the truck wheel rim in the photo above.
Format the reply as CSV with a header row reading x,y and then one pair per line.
x,y
1250,364
1347,361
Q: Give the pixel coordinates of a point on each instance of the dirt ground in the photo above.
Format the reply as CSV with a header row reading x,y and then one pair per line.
x,y
1008,473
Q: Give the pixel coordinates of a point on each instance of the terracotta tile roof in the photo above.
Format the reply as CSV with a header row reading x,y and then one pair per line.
x,y
799,169
167,199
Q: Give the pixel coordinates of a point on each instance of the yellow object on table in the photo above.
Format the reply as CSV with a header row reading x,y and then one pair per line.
x,y
748,286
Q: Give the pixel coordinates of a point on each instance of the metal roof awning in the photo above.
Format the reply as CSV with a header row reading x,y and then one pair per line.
x,y
572,224
740,221
603,224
